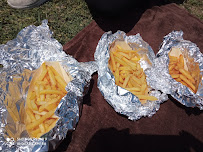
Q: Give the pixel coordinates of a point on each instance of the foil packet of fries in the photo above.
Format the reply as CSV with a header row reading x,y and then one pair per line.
x,y
179,66
123,62
41,91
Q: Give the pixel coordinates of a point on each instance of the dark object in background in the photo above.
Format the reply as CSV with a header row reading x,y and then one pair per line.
x,y
114,7
117,7
113,15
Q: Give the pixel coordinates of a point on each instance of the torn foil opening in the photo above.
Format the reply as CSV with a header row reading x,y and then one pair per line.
x,y
123,101
20,57
161,79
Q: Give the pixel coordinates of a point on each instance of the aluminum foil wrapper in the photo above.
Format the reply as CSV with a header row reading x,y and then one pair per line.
x,y
161,79
20,57
123,101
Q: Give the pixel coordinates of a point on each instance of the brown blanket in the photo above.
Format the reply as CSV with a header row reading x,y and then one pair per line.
x,y
173,128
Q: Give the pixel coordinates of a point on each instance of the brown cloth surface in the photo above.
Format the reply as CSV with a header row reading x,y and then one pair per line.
x,y
173,128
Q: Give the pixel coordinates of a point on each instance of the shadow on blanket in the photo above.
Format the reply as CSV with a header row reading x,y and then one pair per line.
x,y
112,140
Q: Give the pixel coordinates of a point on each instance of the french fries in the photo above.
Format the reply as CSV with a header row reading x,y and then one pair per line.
x,y
36,114
46,91
127,71
179,70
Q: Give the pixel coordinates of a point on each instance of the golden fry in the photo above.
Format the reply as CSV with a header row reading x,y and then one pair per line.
x,y
137,93
49,121
187,74
136,80
141,73
128,72
143,78
42,75
51,92
135,59
51,76
36,90
125,68
126,51
178,79
54,71
173,58
115,54
176,68
28,119
179,71
47,91
51,106
121,79
187,81
175,76
120,61
39,113
39,121
41,126
143,87
61,88
131,64
137,72
35,132
181,60
61,81
125,55
180,65
174,72
30,114
133,89
48,103
42,96
117,76
33,95
34,106
147,97
170,67
113,62
51,125
126,81
130,84
184,83
39,103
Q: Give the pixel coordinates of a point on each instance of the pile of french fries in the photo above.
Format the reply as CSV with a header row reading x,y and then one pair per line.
x,y
178,71
43,98
128,73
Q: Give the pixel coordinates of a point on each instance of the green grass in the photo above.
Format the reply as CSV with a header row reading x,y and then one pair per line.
x,y
195,7
66,17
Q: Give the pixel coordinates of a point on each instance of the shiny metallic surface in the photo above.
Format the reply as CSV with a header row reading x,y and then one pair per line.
x,y
20,57
123,101
161,79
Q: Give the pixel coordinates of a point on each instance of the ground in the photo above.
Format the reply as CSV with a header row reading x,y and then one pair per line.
x,y
66,17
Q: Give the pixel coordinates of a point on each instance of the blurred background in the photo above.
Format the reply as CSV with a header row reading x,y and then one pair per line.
x,y
67,17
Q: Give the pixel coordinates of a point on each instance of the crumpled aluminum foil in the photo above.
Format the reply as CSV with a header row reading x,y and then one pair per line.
x,y
32,46
123,101
161,79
